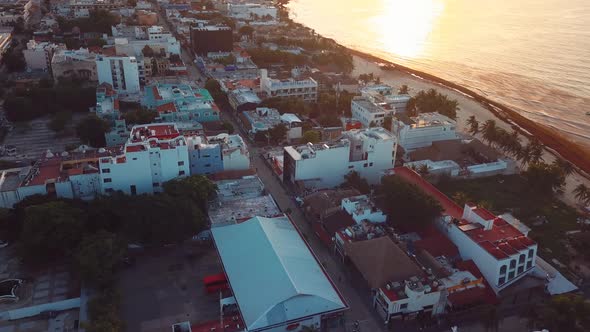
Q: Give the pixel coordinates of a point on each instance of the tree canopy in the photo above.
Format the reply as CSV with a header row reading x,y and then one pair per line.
x,y
97,257
140,116
311,136
91,131
354,180
405,203
433,101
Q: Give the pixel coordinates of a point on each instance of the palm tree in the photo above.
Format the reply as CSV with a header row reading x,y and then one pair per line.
x,y
565,166
582,193
535,150
473,125
403,90
489,130
460,198
423,169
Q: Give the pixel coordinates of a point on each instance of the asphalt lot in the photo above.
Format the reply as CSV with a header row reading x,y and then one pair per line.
x,y
165,287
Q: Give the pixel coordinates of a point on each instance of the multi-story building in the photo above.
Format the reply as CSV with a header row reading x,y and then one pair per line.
x,y
369,113
74,64
368,152
503,252
263,119
119,71
160,41
383,95
243,99
205,157
306,89
234,152
180,103
252,11
211,38
422,130
154,154
38,55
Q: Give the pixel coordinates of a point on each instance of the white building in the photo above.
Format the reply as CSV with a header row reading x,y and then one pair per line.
x,y
362,208
422,130
294,125
277,282
306,89
448,167
132,42
74,63
369,113
234,152
251,11
38,55
502,252
383,95
154,154
368,152
119,71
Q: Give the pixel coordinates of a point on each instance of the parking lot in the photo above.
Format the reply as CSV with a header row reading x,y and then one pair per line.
x,y
165,287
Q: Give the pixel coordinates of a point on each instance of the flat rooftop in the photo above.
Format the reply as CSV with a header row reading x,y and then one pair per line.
x,y
163,131
367,105
432,119
238,189
239,210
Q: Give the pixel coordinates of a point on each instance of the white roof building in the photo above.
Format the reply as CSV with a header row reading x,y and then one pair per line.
x,y
420,131
275,278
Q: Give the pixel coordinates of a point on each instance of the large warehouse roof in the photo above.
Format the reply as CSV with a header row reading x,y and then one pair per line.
x,y
274,276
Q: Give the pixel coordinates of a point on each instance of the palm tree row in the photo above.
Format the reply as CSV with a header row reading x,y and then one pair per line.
x,y
508,142
582,194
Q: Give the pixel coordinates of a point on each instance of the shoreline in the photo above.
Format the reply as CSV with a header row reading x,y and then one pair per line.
x,y
553,141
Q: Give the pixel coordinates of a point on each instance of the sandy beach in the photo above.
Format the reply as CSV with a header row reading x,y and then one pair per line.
x,y
467,107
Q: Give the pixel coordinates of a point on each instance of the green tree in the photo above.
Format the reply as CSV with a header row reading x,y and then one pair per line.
x,y
354,180
50,230
147,51
197,188
215,89
60,120
311,136
278,133
388,122
461,198
403,90
543,179
91,131
96,42
103,312
582,194
405,203
140,116
227,126
14,60
490,131
565,166
473,125
98,256
433,101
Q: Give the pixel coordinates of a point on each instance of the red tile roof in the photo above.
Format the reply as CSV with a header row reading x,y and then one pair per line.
x,y
49,170
156,93
159,131
438,245
484,214
470,296
166,108
501,241
390,293
469,265
134,148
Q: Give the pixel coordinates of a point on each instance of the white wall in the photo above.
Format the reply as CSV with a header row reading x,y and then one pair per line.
x,y
123,67
86,186
412,138
135,170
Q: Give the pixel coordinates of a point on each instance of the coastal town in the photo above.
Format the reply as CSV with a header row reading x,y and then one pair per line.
x,y
212,165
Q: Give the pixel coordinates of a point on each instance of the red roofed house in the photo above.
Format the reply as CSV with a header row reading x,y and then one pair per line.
x,y
503,253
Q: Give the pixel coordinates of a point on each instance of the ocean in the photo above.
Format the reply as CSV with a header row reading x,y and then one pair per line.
x,y
531,55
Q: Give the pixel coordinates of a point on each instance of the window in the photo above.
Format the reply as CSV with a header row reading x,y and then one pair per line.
x,y
512,263
520,269
529,264
207,165
181,173
503,269
134,158
155,164
531,253
502,280
521,259
403,306
511,275
108,180
133,189
155,184
181,163
370,164
108,190
351,167
106,170
365,165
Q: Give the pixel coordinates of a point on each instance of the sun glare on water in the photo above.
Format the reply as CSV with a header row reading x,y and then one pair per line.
x,y
405,25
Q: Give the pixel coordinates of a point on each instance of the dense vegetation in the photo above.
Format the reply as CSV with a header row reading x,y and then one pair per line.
x,y
45,99
406,204
99,21
433,101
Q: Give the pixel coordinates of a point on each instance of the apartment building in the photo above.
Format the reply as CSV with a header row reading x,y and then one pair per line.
x,y
119,71
422,130
306,89
39,55
324,165
74,64
180,103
